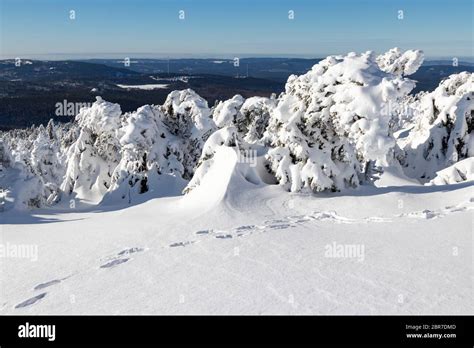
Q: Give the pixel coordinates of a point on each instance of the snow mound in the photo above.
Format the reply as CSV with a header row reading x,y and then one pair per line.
x,y
221,174
242,166
458,172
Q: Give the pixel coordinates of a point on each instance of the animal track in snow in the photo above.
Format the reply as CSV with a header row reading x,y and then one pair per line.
x,y
435,214
277,221
280,226
45,285
180,244
130,251
331,216
245,228
31,301
298,219
114,263
119,258
424,214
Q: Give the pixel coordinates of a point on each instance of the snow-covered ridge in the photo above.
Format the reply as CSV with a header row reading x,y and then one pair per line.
x,y
333,128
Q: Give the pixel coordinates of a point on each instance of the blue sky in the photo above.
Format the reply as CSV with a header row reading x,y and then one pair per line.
x,y
227,28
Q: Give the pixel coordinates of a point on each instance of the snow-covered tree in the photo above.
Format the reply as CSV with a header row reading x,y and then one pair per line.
x,y
92,158
31,166
188,117
250,116
147,149
330,127
120,155
443,132
396,62
46,163
255,116
226,113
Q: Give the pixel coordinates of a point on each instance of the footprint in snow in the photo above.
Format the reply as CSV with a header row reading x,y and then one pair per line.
x,y
114,263
425,214
456,209
280,226
276,221
118,258
31,301
130,251
224,236
180,244
377,219
300,218
45,285
203,232
245,228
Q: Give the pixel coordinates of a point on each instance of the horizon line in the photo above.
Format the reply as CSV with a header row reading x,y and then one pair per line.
x,y
154,56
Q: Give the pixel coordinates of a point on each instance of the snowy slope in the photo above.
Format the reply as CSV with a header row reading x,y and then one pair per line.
x,y
262,250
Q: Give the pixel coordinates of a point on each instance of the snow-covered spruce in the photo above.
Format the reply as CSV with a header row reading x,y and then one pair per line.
x,y
119,156
332,125
32,165
188,117
92,158
396,62
105,154
443,130
144,152
255,113
226,113
250,116
327,131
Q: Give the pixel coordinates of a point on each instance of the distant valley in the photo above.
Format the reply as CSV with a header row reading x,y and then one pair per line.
x,y
30,92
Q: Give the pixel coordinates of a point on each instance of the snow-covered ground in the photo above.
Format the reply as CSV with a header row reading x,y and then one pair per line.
x,y
257,250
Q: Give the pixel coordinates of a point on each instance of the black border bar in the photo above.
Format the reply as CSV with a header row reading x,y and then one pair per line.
x,y
248,330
